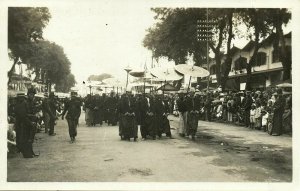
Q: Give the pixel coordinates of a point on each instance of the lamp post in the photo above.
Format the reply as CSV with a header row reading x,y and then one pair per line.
x,y
127,69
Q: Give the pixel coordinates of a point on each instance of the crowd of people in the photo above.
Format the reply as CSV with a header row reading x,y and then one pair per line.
x,y
269,111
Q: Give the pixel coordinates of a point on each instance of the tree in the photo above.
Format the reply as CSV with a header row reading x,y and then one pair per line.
x,y
65,84
50,59
277,18
99,77
224,30
256,20
174,36
25,28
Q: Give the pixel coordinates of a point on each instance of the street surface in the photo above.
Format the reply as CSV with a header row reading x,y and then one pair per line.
x,y
221,153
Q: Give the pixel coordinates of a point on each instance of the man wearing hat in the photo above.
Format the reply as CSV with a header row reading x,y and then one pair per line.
x,y
73,110
23,125
46,112
33,109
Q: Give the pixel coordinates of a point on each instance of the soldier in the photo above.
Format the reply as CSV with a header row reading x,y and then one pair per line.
x,y
73,110
46,112
52,106
26,123
23,127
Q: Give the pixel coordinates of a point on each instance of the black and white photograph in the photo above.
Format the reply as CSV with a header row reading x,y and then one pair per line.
x,y
152,93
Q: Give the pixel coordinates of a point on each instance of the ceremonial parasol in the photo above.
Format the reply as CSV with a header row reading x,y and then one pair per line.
x,y
137,73
166,74
192,71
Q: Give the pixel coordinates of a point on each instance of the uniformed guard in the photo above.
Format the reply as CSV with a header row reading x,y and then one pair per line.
x,y
73,110
53,107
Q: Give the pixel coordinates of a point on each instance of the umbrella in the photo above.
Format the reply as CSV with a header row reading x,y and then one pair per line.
x,y
193,71
137,73
166,74
284,85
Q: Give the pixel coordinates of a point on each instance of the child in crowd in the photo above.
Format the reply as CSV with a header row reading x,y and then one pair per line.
x,y
258,116
252,116
264,119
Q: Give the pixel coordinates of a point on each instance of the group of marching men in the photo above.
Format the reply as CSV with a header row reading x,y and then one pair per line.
x,y
149,112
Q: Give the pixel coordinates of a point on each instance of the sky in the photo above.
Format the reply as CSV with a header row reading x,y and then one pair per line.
x,y
104,37
101,38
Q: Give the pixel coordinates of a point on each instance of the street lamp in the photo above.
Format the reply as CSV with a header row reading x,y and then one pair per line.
x,y
127,69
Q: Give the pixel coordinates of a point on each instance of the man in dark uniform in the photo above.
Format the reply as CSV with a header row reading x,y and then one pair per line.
x,y
73,110
52,113
23,127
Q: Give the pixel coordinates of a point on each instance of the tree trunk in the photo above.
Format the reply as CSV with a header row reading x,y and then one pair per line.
x,y
228,59
284,56
252,61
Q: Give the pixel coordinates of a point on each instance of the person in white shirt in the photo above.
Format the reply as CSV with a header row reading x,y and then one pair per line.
x,y
252,116
264,119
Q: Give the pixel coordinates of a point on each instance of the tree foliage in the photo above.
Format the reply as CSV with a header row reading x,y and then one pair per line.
x,y
174,35
26,43
25,28
50,59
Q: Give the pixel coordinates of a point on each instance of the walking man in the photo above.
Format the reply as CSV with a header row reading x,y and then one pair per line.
x,y
73,110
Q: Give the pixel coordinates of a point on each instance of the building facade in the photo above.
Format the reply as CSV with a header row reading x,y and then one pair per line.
x,y
268,70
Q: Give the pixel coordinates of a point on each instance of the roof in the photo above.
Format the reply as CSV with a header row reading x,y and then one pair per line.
x,y
168,87
249,46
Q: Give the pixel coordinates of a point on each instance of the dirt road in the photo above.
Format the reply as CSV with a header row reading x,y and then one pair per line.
x,y
99,155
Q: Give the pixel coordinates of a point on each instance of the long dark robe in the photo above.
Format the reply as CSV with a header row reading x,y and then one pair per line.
x,y
277,116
